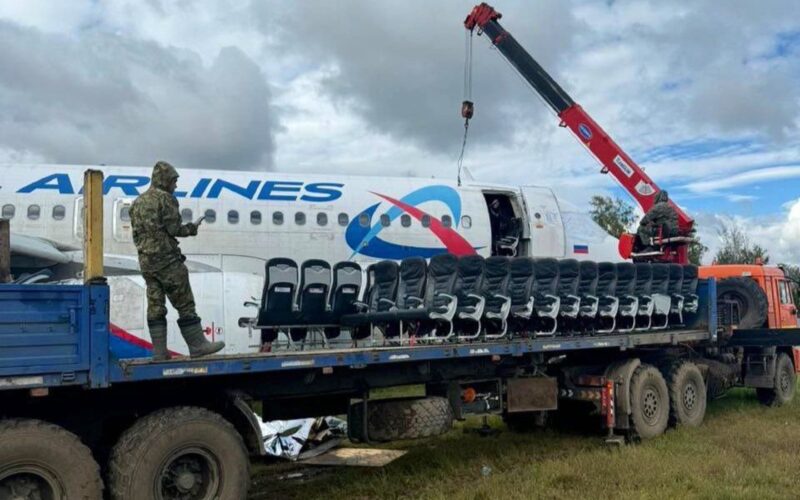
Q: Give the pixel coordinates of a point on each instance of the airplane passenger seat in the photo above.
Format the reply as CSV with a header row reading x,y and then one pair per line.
x,y
587,291
520,290
546,303
628,301
607,301
659,291
277,300
689,289
567,291
676,293
344,293
495,292
469,282
644,280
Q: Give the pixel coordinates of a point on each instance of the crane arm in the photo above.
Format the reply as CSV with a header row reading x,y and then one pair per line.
x,y
610,155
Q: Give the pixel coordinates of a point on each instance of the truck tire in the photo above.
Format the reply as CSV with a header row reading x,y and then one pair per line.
x,y
42,460
785,383
182,452
687,395
649,402
750,298
397,419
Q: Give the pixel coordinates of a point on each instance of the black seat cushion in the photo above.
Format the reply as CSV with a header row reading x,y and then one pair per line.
x,y
587,283
568,275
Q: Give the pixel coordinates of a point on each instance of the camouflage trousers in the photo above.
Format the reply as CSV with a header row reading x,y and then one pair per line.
x,y
171,282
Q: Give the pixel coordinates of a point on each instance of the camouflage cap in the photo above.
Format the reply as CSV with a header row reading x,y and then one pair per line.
x,y
662,197
163,175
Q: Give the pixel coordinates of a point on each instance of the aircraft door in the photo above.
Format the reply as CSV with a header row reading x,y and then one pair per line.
x,y
121,223
544,226
77,219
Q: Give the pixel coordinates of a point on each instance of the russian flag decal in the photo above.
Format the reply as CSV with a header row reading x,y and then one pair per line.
x,y
580,249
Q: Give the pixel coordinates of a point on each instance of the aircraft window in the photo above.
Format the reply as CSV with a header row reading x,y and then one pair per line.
x,y
343,219
363,220
466,221
426,220
277,218
59,212
300,218
233,216
34,211
211,216
322,219
385,220
8,211
405,220
447,221
186,215
125,213
255,217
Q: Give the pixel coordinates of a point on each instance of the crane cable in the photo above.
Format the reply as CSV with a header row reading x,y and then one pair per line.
x,y
467,107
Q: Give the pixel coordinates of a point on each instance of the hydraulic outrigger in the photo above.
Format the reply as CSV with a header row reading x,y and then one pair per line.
x,y
614,160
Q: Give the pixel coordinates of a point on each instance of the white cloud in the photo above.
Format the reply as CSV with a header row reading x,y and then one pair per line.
x,y
745,178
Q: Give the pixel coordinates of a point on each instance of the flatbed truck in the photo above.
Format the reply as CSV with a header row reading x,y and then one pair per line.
x,y
184,428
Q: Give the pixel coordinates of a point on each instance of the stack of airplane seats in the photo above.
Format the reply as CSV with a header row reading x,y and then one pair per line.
x,y
468,298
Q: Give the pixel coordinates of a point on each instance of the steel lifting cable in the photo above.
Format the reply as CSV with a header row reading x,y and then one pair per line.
x,y
467,107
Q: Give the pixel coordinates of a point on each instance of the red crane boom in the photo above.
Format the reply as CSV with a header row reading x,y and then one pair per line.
x,y
613,158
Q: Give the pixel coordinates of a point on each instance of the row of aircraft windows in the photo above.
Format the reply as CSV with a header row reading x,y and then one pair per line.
x,y
34,212
342,219
59,212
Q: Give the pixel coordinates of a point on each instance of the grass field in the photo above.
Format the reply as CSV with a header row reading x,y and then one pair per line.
x,y
743,450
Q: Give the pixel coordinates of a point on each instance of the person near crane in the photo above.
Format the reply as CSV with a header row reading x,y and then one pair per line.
x,y
661,220
156,224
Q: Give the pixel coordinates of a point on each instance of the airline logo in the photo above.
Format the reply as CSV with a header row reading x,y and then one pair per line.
x,y
209,188
365,240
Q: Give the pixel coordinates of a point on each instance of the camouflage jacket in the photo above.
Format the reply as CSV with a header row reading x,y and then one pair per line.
x,y
156,222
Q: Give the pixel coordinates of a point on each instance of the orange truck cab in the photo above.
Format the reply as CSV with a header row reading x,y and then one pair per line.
x,y
781,312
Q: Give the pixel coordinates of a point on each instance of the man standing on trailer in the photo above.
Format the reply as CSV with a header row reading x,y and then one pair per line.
x,y
156,222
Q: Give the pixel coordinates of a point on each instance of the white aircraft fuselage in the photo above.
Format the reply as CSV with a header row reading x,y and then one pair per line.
x,y
254,216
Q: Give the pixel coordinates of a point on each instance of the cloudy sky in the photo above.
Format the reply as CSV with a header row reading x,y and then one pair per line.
x,y
704,94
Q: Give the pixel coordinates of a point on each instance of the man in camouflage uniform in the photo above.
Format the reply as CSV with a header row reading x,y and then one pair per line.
x,y
156,222
661,215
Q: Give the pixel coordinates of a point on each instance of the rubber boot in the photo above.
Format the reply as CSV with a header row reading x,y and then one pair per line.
x,y
158,334
192,333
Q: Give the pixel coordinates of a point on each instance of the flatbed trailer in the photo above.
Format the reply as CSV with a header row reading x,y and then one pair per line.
x,y
184,428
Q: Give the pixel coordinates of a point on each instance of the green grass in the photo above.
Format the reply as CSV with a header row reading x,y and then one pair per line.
x,y
743,450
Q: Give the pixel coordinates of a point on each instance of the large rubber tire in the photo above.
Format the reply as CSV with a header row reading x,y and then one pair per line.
x,y
687,395
42,460
396,419
751,299
181,452
785,383
649,402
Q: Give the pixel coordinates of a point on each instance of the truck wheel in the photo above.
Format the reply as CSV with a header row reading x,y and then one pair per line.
x,y
185,453
39,460
649,402
785,383
396,419
749,297
687,394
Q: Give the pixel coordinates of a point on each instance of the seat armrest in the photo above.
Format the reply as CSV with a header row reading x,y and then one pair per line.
x,y
361,306
415,300
386,301
447,296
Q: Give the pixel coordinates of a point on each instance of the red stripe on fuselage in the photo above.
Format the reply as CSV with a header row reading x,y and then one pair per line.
x,y
454,242
133,339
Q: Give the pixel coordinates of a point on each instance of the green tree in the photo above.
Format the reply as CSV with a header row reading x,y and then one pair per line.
x,y
737,249
614,215
696,251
